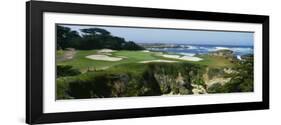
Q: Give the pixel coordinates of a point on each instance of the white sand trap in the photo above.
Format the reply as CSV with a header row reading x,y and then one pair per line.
x,y
171,56
146,51
167,61
191,58
186,58
106,51
103,58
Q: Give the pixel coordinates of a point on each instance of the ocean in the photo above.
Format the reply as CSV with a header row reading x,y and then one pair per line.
x,y
191,50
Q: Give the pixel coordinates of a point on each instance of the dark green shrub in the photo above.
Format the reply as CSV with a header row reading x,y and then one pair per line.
x,y
216,88
66,70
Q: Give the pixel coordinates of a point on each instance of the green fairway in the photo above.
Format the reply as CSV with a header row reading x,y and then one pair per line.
x,y
97,62
79,61
214,61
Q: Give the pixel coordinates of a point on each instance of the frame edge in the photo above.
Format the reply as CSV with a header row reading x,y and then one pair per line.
x,y
27,115
34,112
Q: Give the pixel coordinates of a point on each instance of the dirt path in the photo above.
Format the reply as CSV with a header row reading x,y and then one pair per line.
x,y
68,54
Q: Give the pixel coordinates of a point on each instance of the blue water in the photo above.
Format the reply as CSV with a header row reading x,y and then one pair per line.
x,y
191,50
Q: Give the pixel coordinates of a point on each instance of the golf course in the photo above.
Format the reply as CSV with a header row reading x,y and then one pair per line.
x,y
100,65
104,60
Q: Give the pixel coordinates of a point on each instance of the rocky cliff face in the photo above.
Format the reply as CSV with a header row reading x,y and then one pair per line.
x,y
156,79
173,84
189,83
223,53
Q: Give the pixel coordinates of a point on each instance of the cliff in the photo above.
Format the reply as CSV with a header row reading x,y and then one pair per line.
x,y
154,79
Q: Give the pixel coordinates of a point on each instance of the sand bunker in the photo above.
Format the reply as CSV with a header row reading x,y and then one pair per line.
x,y
191,58
106,51
186,58
103,58
172,56
146,51
167,61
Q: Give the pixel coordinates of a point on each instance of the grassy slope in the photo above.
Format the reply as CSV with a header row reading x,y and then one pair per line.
x,y
60,54
128,65
83,63
214,61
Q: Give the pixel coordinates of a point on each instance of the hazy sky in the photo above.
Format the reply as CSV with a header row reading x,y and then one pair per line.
x,y
148,35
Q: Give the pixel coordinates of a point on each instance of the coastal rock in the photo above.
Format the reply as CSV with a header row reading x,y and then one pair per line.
x,y
222,53
216,76
180,80
198,89
164,82
157,79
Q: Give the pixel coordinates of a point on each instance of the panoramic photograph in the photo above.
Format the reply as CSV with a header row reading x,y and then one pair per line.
x,y
114,61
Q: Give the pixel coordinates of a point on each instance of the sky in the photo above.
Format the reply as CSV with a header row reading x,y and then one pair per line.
x,y
183,36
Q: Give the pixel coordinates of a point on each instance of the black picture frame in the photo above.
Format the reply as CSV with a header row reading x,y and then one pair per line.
x,y
34,61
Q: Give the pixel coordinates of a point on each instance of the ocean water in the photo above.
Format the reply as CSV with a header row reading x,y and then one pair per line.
x,y
191,50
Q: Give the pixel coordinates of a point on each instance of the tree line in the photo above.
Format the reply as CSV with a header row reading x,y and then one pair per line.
x,y
92,38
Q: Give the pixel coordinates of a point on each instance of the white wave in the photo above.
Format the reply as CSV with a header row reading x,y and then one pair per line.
x,y
209,49
206,48
192,47
238,57
182,46
242,49
222,48
235,49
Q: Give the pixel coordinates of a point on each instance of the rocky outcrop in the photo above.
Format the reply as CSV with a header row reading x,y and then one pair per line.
x,y
157,79
198,89
218,78
173,85
223,53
